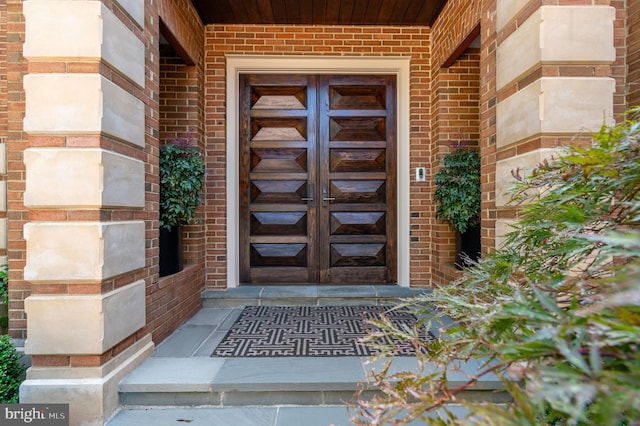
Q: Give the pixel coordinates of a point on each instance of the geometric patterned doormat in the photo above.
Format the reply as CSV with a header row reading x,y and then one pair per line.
x,y
301,331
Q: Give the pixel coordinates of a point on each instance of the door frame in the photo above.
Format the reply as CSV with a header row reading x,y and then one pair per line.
x,y
360,65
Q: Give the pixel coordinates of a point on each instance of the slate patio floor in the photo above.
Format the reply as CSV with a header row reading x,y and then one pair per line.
x,y
182,383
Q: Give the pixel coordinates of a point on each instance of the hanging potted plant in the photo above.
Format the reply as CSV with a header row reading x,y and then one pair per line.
x,y
181,181
458,196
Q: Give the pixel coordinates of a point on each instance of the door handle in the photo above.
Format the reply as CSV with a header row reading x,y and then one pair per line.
x,y
310,192
325,197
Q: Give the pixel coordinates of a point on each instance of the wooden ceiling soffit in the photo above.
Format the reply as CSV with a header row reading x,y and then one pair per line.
x,y
320,12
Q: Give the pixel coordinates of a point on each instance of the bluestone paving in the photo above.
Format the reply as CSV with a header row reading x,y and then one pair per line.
x,y
211,343
336,291
247,416
273,397
268,374
161,374
313,416
284,292
211,317
185,341
307,295
460,375
392,291
252,292
328,415
288,391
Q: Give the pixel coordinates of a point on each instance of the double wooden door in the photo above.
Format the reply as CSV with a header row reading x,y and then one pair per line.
x,y
317,179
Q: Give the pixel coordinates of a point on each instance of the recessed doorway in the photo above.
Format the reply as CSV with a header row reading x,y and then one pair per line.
x,y
317,179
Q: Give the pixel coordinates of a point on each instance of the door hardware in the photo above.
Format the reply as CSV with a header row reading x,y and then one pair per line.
x,y
325,198
310,198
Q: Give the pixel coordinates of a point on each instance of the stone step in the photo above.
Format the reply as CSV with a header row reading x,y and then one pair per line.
x,y
234,382
336,415
182,379
351,295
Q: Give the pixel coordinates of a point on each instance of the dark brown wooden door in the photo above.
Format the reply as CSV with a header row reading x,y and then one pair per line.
x,y
317,179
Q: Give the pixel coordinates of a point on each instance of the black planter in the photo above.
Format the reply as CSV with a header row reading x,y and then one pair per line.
x,y
468,246
171,260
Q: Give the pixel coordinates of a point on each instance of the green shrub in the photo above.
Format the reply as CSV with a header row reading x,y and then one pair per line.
x,y
555,313
12,372
458,189
182,172
4,284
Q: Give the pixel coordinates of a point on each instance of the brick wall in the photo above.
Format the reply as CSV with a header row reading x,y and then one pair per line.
x,y
3,112
16,141
182,116
457,20
176,298
619,69
3,70
456,116
633,52
304,40
181,25
488,98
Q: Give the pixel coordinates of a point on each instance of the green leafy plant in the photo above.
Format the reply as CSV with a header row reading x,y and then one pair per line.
x,y
12,372
4,284
4,297
458,189
555,313
181,181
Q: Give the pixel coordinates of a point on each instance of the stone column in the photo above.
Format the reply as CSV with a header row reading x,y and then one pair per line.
x,y
85,187
554,85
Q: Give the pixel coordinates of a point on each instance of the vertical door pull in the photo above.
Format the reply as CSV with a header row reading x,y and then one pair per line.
x,y
310,193
325,198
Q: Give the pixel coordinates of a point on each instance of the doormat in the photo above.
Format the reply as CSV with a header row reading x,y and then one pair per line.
x,y
309,331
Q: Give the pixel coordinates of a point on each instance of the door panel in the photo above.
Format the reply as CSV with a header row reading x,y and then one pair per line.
x,y
277,171
357,144
317,179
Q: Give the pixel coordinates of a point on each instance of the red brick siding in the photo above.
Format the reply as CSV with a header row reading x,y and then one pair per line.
x,y
182,26
16,141
463,109
174,299
306,40
456,116
3,70
619,67
633,52
488,99
182,116
456,21
3,90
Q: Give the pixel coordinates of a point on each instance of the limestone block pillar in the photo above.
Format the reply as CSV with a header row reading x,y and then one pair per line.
x,y
554,84
85,189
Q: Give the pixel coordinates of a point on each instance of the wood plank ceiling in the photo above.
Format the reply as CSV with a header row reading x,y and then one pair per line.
x,y
320,12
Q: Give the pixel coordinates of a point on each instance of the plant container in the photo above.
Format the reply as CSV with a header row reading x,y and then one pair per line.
x,y
171,259
468,246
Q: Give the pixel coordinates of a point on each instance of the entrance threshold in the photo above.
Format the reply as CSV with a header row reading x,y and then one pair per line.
x,y
312,295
